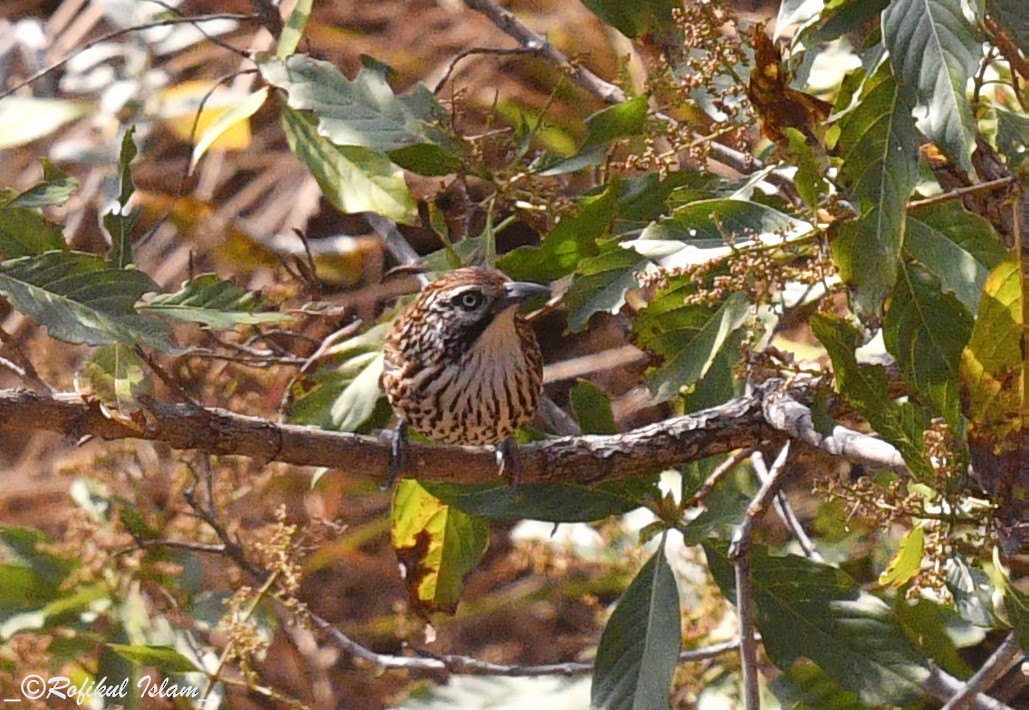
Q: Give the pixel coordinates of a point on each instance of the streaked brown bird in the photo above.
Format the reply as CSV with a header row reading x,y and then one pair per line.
x,y
462,365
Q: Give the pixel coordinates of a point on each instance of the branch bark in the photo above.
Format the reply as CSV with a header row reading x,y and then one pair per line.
x,y
740,423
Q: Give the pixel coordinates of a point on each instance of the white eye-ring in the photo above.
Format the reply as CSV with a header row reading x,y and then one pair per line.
x,y
469,300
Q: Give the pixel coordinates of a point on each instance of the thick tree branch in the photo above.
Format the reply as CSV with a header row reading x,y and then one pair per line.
x,y
740,423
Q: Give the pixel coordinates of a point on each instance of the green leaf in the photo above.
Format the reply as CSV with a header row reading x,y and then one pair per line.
x,y
808,179
25,232
933,626
908,560
573,239
809,609
164,658
364,112
217,304
600,285
879,146
806,686
604,127
240,112
972,592
958,246
438,546
865,387
925,330
343,392
724,508
634,18
991,363
81,299
55,189
934,53
557,502
1010,15
293,31
689,338
592,409
118,222
116,376
354,179
25,546
838,18
639,648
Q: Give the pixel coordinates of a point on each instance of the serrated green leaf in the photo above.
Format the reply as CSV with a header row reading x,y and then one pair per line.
x,y
116,376
55,189
879,145
925,330
809,609
293,30
572,240
81,299
118,221
215,303
592,409
907,561
364,112
689,338
959,247
934,53
557,502
639,648
991,363
164,658
342,393
438,546
240,112
865,387
354,179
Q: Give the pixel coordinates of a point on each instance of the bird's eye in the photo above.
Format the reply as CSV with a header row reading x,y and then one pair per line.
x,y
469,300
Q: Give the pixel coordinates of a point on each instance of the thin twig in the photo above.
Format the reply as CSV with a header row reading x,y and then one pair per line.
x,y
739,553
1007,655
961,192
718,474
478,50
785,510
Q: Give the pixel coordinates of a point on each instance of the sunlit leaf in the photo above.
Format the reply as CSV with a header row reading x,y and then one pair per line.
x,y
81,299
934,53
639,648
26,118
293,30
353,178
600,284
907,561
438,546
211,133
807,609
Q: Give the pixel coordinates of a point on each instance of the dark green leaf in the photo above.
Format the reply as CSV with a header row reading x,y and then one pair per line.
x,y
810,609
353,178
25,232
925,330
215,303
958,246
164,658
865,387
81,299
600,285
592,409
634,18
934,53
689,338
120,219
972,592
930,625
806,686
618,121
724,508
557,502
23,545
710,223
55,189
639,648
1011,16
808,178
879,145
1012,135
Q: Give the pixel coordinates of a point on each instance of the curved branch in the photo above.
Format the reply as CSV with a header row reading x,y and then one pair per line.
x,y
740,423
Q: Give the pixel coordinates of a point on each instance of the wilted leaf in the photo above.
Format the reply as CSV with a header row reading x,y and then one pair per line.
x,y
807,609
639,648
353,178
438,546
81,299
115,376
934,53
215,303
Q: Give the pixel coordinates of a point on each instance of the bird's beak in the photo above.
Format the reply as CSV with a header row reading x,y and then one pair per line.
x,y
516,292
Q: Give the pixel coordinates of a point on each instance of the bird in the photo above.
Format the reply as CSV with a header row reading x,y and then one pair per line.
x,y
461,365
